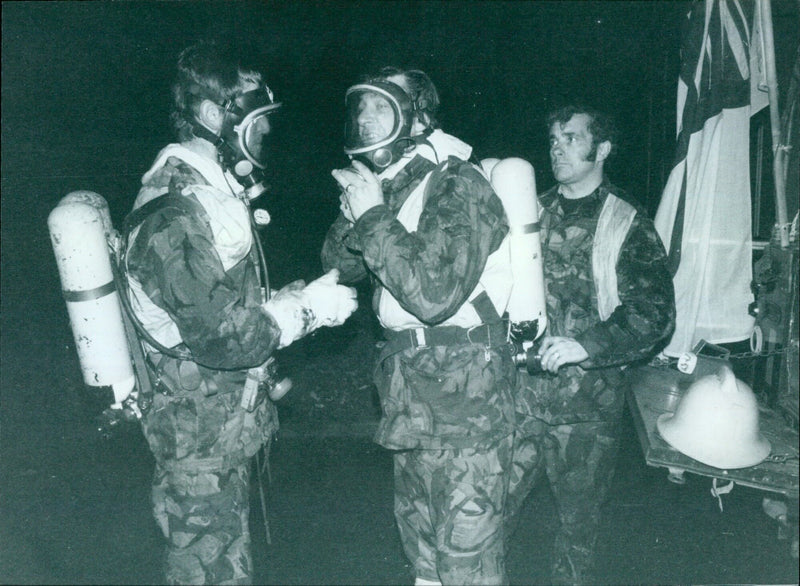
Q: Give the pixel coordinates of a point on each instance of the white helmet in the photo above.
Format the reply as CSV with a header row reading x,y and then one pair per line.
x,y
716,423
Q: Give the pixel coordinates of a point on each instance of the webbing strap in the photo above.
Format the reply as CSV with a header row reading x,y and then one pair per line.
x,y
531,228
89,294
138,215
488,335
485,308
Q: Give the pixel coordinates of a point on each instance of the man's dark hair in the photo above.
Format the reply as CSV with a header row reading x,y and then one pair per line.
x,y
601,125
423,92
206,71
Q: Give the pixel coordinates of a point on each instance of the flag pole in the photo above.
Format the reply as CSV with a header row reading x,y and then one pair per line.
x,y
778,152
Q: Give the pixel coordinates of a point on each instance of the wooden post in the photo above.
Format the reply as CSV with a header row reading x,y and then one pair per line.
x,y
778,152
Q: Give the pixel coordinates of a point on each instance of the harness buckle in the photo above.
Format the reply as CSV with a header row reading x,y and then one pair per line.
x,y
419,338
487,344
488,335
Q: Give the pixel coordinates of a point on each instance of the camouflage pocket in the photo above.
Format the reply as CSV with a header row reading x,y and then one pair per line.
x,y
439,375
403,423
187,429
189,375
465,393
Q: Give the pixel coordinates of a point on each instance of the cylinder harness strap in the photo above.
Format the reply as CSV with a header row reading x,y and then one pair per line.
x,y
134,219
154,362
490,334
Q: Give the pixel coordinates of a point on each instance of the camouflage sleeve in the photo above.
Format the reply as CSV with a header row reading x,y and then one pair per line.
x,y
222,325
432,271
339,252
645,319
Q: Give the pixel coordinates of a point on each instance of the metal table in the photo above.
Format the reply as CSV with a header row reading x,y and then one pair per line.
x,y
656,390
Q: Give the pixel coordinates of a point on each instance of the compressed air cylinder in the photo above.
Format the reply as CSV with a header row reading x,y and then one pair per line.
x,y
514,182
79,229
488,166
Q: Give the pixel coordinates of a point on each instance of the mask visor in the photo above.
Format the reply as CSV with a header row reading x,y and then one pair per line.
x,y
254,108
252,135
373,119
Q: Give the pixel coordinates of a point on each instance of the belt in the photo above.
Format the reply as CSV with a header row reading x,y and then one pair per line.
x,y
488,335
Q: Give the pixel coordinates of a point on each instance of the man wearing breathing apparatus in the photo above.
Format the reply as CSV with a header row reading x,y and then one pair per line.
x,y
423,223
197,286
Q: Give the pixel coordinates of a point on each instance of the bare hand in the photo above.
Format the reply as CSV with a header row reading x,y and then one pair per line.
x,y
361,190
558,351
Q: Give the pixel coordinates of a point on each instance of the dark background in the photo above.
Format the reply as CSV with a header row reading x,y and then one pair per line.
x,y
85,105
86,87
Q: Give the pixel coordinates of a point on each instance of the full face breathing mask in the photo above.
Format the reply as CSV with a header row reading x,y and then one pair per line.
x,y
242,140
378,123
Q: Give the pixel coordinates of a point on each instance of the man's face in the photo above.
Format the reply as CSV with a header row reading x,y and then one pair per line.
x,y
570,145
375,118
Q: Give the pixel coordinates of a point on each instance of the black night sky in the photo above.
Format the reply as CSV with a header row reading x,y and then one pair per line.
x,y
86,87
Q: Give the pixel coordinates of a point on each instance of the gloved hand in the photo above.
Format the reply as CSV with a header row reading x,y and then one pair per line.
x,y
299,310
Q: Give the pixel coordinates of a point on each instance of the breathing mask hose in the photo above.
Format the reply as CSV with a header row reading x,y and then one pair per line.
x,y
122,283
263,271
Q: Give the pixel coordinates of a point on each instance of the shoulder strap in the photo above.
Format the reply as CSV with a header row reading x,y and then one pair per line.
x,y
132,220
482,302
485,308
137,216
441,170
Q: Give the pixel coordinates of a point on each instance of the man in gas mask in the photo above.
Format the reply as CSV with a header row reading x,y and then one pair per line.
x,y
423,223
197,286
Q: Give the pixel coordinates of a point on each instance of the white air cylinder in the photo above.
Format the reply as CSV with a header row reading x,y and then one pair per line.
x,y
80,226
514,182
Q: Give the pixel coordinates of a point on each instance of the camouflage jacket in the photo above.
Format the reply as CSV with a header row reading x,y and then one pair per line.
x,y
636,329
194,268
444,396
189,265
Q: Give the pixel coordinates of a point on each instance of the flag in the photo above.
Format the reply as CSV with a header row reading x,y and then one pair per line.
x,y
704,214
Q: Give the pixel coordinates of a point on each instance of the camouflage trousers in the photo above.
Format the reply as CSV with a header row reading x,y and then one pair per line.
x,y
204,516
449,507
578,460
